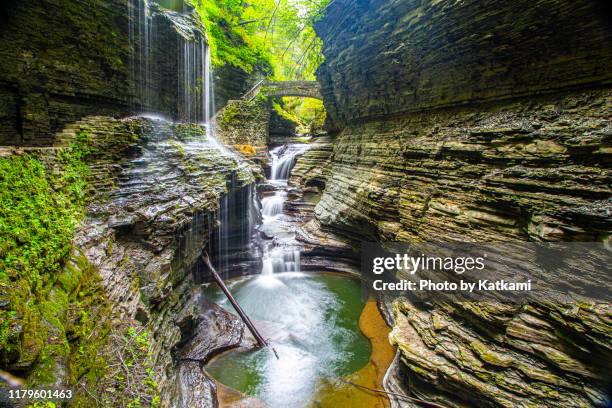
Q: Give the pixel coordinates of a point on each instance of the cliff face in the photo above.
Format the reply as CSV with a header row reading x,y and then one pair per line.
x,y
153,213
391,57
62,60
130,282
465,121
103,227
525,170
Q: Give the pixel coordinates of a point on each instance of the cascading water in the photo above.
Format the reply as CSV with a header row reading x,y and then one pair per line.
x,y
182,87
273,205
283,160
282,254
172,83
294,308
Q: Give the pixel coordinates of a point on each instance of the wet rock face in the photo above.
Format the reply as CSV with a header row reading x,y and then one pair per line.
x,y
484,123
59,61
387,57
156,187
498,355
208,332
63,60
531,170
522,171
216,331
281,129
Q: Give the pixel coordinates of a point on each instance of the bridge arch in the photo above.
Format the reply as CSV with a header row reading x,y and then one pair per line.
x,y
272,89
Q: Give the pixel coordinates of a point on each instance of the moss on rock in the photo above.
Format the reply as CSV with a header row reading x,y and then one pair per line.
x,y
51,298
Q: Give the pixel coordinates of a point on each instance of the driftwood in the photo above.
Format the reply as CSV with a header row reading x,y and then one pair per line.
x,y
261,342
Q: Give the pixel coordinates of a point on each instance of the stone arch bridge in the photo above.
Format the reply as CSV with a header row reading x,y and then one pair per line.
x,y
304,89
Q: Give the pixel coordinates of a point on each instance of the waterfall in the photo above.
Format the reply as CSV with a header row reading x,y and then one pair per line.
x,y
273,205
283,253
280,260
283,160
171,73
208,91
209,107
231,243
154,68
192,100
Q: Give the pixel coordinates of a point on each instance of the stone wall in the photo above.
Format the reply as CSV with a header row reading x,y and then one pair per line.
x,y
245,126
479,122
60,60
63,60
385,57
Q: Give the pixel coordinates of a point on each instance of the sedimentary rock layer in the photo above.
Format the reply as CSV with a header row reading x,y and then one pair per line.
x,y
531,170
153,215
62,60
59,61
536,169
154,190
479,122
394,56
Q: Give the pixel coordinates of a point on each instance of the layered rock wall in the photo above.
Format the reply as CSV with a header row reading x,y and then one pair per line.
x,y
480,122
154,192
154,212
534,170
62,60
59,61
387,57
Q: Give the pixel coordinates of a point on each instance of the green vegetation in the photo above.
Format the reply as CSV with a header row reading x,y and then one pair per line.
x,y
130,371
309,114
276,36
38,213
54,316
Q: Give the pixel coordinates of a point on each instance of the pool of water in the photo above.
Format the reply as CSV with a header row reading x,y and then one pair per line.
x,y
312,321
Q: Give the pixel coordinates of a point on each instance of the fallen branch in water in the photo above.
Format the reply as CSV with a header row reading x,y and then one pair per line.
x,y
395,394
260,340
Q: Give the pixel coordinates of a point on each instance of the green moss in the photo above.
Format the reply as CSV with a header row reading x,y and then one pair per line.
x,y
42,198
229,117
307,113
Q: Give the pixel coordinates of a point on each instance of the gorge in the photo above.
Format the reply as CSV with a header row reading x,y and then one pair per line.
x,y
133,140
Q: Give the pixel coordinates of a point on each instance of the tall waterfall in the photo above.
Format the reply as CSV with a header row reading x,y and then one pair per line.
x,y
171,74
169,62
154,33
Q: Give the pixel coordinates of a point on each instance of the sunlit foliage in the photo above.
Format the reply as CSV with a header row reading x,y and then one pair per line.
x,y
275,36
308,113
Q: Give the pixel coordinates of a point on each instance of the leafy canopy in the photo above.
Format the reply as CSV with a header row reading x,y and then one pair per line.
x,y
274,36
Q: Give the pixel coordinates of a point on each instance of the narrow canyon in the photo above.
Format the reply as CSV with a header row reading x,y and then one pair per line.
x,y
138,137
